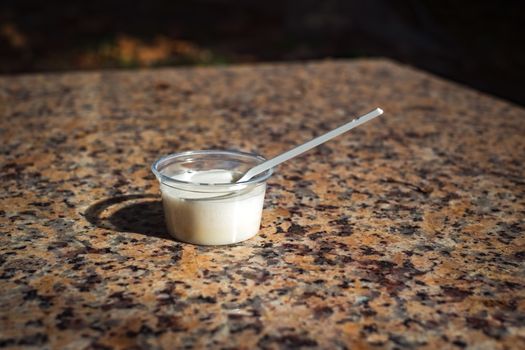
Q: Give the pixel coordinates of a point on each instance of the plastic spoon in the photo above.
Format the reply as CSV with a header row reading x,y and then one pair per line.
x,y
256,170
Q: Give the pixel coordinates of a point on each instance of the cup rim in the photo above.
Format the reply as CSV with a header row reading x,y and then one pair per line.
x,y
168,180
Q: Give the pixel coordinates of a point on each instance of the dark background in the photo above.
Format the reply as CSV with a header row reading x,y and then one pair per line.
x,y
478,43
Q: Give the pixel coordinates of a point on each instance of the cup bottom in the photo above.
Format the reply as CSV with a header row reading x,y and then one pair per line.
x,y
214,222
189,239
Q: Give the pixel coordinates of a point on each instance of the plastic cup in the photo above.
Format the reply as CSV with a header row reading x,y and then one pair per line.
x,y
211,213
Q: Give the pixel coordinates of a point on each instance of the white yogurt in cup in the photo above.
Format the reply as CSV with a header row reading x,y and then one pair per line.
x,y
202,205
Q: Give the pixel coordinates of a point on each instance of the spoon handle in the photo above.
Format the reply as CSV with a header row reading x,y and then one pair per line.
x,y
294,152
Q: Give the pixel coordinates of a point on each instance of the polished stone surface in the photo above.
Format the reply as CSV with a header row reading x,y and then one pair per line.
x,y
405,233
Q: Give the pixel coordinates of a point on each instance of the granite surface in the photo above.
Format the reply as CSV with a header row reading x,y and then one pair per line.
x,y
405,233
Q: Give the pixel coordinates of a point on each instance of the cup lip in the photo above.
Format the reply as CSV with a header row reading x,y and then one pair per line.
x,y
168,180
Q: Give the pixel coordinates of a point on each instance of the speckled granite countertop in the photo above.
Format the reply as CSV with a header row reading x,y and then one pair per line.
x,y
405,233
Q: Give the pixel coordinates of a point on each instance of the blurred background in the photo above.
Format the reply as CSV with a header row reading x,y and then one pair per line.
x,y
477,43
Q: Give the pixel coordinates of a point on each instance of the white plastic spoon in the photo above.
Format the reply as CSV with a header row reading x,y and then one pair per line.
x,y
256,170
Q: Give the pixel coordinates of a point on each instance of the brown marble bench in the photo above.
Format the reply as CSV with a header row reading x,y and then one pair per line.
x,y
407,232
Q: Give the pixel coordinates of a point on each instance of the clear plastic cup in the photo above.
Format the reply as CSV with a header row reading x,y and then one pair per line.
x,y
211,213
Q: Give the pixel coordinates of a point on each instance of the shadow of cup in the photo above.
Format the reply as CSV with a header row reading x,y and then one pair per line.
x,y
138,213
